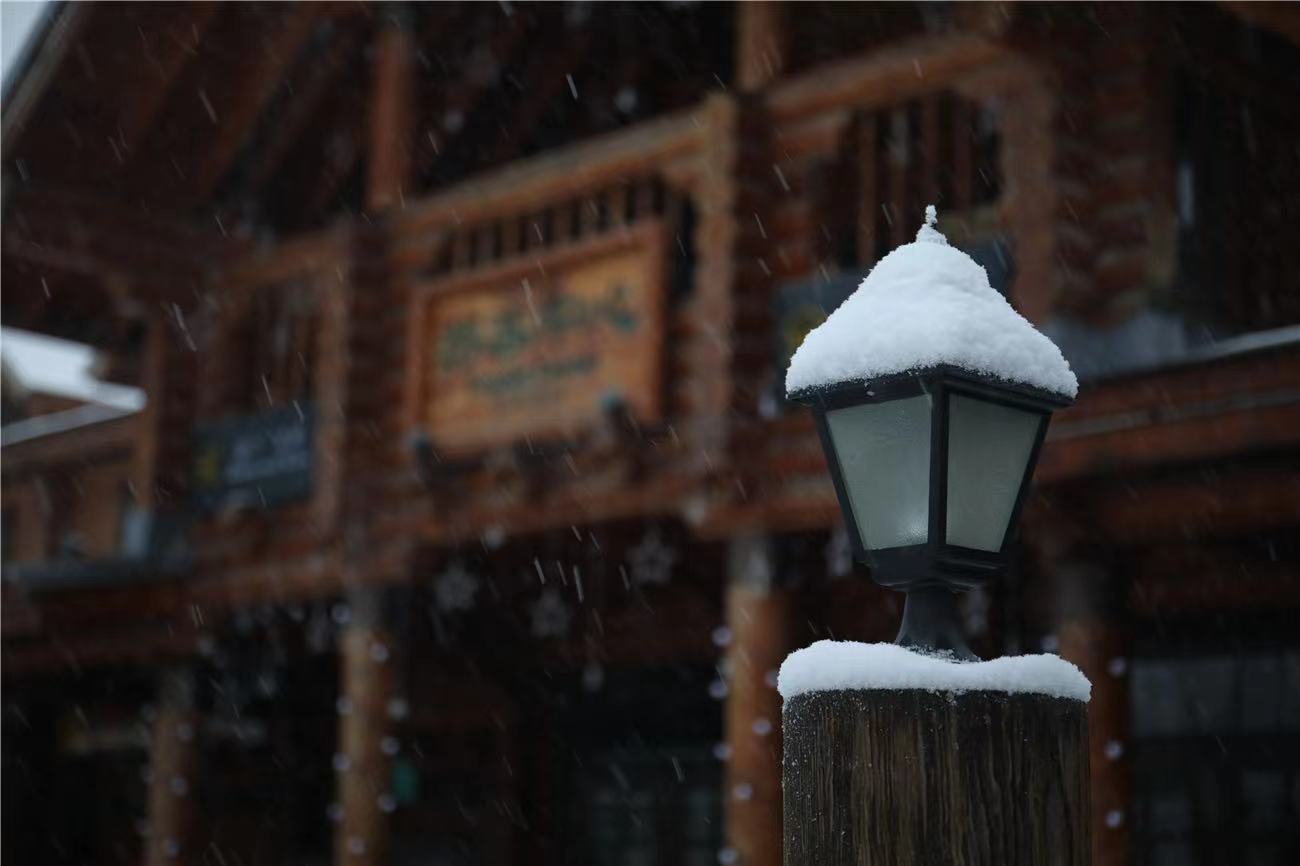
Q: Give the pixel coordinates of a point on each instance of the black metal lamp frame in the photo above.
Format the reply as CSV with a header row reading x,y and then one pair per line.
x,y
933,572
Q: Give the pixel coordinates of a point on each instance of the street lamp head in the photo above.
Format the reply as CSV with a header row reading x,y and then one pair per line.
x,y
932,398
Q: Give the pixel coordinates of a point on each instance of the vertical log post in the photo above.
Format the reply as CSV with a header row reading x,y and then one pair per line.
x,y
761,44
364,768
392,116
911,776
757,616
173,758
1092,635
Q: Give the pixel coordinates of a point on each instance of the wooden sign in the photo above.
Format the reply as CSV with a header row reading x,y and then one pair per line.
x,y
255,460
535,348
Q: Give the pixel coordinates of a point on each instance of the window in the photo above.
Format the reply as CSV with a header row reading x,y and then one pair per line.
x,y
1216,758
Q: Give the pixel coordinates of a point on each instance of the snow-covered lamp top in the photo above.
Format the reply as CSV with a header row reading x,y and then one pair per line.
x,y
925,305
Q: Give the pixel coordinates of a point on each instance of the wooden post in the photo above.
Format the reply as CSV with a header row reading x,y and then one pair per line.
x,y
908,776
1092,635
757,617
173,759
363,765
760,43
392,116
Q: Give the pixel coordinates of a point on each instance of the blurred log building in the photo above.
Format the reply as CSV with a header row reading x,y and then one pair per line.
x,y
465,522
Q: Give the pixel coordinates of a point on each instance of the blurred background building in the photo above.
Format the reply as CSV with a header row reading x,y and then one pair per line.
x,y
417,486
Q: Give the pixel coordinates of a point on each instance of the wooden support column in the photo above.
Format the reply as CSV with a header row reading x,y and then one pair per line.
x,y
364,770
761,44
173,760
757,614
1093,634
904,777
392,112
160,464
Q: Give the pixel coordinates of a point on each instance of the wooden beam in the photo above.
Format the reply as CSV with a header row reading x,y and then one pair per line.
x,y
1190,438
758,615
106,440
173,767
392,119
908,68
1092,635
309,95
257,82
548,76
366,681
1215,588
563,173
761,43
1126,513
123,255
59,654
175,47
1281,18
462,95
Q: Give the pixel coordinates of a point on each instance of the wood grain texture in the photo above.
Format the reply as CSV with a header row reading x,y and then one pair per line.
x,y
914,777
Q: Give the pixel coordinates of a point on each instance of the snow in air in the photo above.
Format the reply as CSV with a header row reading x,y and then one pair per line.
x,y
924,305
830,665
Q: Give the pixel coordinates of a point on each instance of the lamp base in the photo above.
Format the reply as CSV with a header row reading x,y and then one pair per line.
x,y
931,623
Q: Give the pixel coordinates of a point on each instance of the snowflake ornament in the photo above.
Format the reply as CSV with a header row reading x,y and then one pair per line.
x,y
319,632
651,561
551,616
455,588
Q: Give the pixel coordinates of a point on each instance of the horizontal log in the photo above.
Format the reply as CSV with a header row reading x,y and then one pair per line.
x,y
556,175
889,76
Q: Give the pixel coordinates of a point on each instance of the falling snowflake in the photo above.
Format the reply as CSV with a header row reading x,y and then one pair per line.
x,y
550,615
839,553
651,561
319,632
455,588
626,100
593,676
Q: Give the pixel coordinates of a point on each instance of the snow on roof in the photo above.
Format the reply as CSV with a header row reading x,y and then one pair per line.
x,y
924,305
59,422
63,368
19,25
830,665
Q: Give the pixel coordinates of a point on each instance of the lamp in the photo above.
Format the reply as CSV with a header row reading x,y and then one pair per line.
x,y
932,397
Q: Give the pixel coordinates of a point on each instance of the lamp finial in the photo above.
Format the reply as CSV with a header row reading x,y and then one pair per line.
x,y
929,232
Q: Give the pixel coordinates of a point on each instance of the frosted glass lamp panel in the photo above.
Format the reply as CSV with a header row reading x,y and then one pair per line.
x,y
989,446
883,451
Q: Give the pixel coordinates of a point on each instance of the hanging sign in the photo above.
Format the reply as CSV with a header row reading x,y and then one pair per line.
x,y
254,460
536,348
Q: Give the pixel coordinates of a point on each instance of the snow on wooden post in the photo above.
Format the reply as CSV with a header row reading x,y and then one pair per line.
x,y
932,397
896,757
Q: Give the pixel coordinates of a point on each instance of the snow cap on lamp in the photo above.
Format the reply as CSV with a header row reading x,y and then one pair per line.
x,y
923,306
